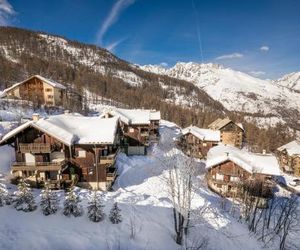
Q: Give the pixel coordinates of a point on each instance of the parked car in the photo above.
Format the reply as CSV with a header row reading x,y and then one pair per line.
x,y
295,182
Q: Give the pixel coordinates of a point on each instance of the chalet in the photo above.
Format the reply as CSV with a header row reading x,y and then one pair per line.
x,y
66,149
140,127
197,142
231,133
38,90
289,158
229,167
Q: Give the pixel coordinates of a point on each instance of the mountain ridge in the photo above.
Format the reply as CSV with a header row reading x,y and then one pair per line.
x,y
241,92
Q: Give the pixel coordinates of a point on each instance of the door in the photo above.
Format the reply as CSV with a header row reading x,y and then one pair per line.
x,y
29,158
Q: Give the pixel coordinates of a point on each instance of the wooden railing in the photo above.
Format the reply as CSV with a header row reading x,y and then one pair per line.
x,y
40,166
218,181
35,147
111,174
109,159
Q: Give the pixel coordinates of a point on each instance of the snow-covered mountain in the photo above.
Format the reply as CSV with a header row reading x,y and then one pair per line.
x,y
88,67
238,91
291,81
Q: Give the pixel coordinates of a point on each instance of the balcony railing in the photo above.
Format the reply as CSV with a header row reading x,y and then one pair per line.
x,y
109,159
111,174
39,166
35,148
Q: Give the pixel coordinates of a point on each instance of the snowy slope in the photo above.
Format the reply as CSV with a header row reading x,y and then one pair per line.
x,y
291,81
238,91
141,193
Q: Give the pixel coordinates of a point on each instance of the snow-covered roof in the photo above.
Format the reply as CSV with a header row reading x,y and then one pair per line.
x,y
43,79
73,129
220,123
292,148
134,116
203,134
251,162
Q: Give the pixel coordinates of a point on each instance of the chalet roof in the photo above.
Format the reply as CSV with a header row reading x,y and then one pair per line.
x,y
292,148
220,123
73,129
134,116
251,162
203,134
43,79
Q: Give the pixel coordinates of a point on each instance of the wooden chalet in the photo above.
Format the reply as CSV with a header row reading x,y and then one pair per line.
x,y
231,133
38,90
229,169
289,158
140,127
67,149
197,142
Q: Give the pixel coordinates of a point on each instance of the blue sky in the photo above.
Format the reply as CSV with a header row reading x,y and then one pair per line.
x,y
260,37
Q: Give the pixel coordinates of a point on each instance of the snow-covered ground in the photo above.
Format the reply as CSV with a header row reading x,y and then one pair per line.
x,y
142,195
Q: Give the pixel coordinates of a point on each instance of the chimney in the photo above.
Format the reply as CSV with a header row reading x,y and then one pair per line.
x,y
67,111
35,117
227,153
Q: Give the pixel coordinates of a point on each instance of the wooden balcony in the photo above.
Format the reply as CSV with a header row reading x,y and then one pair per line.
x,y
109,159
38,166
35,148
111,174
224,181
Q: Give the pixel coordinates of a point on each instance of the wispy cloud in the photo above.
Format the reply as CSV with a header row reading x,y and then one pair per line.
x,y
113,45
257,73
6,12
230,56
264,48
112,17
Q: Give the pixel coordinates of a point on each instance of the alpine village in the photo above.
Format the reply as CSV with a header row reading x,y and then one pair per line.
x,y
99,153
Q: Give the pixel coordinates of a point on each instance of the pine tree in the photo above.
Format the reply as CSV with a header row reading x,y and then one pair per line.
x,y
115,214
49,201
24,199
72,205
95,207
5,197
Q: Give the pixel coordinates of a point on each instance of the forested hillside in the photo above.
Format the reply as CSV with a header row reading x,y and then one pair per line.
x,y
86,67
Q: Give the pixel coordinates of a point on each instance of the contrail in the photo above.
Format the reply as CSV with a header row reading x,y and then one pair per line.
x,y
112,17
198,30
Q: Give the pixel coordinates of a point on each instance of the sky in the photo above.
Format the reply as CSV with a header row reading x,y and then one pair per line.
x,y
259,37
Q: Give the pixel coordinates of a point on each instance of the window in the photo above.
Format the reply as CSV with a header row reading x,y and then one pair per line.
x,y
48,90
91,171
204,144
131,130
219,177
50,96
81,153
234,178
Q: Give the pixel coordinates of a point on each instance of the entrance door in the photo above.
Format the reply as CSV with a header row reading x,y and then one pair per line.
x,y
29,158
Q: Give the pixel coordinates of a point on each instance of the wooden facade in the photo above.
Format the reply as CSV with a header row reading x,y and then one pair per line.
x,y
39,91
289,163
194,146
137,137
228,178
42,158
231,133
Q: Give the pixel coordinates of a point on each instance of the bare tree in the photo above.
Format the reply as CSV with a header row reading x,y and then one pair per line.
x,y
290,221
181,170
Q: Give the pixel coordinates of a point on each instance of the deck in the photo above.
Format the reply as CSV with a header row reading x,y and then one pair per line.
x,y
38,166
